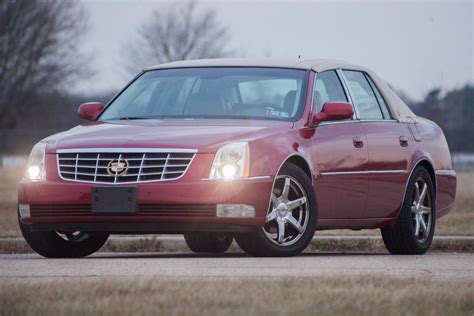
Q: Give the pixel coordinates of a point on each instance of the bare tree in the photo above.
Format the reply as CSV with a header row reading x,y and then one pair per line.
x,y
38,52
179,32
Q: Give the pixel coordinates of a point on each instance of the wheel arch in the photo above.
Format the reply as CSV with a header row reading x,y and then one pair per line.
x,y
300,162
427,164
295,159
429,167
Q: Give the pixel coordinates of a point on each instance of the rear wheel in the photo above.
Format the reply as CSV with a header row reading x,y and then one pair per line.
x,y
208,242
291,218
414,230
52,244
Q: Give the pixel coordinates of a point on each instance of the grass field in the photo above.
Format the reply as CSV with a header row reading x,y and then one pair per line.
x,y
460,221
8,200
228,296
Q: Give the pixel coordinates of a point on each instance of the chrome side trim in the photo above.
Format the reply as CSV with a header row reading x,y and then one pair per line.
x,y
444,172
348,92
237,179
384,121
312,98
387,171
356,121
362,172
338,122
126,150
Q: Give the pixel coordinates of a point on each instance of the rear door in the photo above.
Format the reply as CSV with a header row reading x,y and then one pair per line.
x,y
340,156
390,145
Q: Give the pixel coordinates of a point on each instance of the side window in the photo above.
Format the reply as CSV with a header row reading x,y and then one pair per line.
x,y
382,104
364,97
328,88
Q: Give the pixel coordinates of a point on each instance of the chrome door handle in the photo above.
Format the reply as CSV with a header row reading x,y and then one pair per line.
x,y
403,141
358,142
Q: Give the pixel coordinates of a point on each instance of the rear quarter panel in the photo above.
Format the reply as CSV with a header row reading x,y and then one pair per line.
x,y
433,146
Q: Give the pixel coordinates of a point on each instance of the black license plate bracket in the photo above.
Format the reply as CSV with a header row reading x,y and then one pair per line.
x,y
114,200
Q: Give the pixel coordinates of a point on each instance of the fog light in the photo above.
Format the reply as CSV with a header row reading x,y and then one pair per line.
x,y
235,210
24,210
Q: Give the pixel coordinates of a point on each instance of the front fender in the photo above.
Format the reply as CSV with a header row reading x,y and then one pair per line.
x,y
269,154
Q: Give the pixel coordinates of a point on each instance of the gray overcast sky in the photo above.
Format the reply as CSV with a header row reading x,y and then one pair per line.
x,y
413,45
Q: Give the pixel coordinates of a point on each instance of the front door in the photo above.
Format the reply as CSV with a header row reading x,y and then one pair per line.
x,y
340,157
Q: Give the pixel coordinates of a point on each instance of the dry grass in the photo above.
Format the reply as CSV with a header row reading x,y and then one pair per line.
x,y
228,296
460,221
8,201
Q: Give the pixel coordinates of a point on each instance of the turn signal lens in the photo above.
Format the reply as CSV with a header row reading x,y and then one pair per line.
x,y
24,210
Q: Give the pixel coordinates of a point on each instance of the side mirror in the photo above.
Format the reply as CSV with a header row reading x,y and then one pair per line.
x,y
89,111
333,111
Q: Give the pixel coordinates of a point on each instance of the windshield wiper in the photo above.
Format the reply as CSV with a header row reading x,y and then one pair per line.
x,y
127,118
133,118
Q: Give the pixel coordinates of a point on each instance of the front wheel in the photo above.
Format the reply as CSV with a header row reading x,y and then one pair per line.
x,y
291,218
414,229
200,242
52,244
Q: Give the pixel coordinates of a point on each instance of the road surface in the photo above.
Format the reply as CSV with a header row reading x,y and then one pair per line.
x,y
433,265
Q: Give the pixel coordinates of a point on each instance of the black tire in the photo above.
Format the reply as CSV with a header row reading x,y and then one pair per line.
x,y
259,244
201,242
402,239
50,244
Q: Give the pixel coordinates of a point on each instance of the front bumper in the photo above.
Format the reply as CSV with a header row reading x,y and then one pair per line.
x,y
62,205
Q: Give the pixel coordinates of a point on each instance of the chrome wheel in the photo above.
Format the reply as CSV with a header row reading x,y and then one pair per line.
x,y
288,216
415,226
73,236
421,210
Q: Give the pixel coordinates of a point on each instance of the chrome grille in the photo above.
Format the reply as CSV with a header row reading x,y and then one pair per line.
x,y
141,165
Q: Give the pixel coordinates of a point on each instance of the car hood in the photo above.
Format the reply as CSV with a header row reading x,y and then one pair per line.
x,y
203,135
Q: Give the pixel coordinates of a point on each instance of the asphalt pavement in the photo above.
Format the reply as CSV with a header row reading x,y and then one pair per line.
x,y
431,265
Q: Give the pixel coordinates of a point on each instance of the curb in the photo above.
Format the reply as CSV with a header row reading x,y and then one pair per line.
x,y
375,244
319,244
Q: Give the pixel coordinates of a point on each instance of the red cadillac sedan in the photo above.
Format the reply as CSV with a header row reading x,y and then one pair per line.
x,y
263,152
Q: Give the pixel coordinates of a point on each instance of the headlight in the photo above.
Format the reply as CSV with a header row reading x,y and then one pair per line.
x,y
35,169
231,162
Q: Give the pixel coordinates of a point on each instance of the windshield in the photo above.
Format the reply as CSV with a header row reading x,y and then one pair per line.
x,y
248,93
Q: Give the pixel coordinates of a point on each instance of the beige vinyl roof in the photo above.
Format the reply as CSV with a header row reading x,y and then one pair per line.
x,y
399,109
